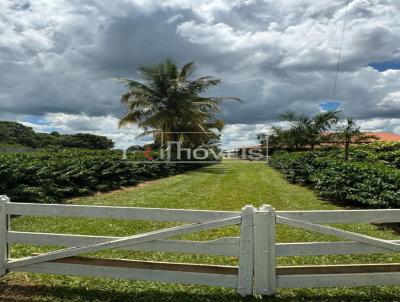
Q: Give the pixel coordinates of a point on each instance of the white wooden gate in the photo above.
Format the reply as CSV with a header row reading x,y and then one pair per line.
x,y
337,275
256,248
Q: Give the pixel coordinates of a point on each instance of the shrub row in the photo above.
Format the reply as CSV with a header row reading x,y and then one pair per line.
x,y
369,184
51,176
388,158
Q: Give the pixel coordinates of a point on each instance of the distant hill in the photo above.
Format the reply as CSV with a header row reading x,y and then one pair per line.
x,y
16,134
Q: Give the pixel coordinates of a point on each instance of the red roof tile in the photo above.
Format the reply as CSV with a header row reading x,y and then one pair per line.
x,y
385,136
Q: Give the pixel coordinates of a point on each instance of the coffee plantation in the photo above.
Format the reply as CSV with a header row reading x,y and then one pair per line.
x,y
51,176
371,178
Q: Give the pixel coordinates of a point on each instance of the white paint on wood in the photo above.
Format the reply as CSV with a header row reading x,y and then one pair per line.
x,y
180,215
228,246
264,251
338,269
246,257
344,216
4,201
131,274
126,241
328,248
271,249
127,213
388,245
256,248
337,280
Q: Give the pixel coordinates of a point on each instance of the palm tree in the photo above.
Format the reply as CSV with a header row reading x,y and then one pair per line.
x,y
350,133
278,137
305,130
169,101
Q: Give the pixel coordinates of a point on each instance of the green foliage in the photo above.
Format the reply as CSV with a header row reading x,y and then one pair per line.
x,y
371,178
381,146
349,133
170,100
51,176
368,184
304,131
134,148
388,158
387,153
84,140
15,134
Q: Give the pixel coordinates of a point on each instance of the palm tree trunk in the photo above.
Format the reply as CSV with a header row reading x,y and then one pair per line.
x,y
346,151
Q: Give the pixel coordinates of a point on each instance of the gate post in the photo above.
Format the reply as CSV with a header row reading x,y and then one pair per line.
x,y
3,234
264,251
246,249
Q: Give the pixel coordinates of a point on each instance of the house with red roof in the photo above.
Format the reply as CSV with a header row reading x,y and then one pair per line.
x,y
385,136
243,152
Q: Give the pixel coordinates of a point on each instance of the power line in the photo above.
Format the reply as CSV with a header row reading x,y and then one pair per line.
x,y
340,51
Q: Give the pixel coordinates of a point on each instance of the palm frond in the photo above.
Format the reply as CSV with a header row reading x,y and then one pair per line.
x,y
292,116
186,71
135,87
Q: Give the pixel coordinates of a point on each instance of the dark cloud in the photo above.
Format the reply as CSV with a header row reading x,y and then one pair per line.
x,y
61,57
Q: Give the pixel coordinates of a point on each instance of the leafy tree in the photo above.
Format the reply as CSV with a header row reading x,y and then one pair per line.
x,y
169,101
275,138
86,140
308,131
350,133
135,148
12,133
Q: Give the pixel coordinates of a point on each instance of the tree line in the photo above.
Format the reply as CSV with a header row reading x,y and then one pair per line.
x,y
307,132
13,134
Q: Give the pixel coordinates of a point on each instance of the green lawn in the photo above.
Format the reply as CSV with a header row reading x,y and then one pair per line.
x,y
228,186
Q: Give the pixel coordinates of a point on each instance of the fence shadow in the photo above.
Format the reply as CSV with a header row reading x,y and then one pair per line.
x,y
18,293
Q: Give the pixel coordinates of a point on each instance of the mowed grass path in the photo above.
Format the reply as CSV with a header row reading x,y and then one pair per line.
x,y
228,186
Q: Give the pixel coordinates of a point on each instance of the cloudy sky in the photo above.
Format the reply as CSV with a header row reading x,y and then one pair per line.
x,y
58,59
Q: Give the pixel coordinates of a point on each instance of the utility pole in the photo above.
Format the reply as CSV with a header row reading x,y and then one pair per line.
x,y
267,144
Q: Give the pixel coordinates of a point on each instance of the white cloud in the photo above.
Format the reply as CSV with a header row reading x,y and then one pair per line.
x,y
100,125
392,100
392,125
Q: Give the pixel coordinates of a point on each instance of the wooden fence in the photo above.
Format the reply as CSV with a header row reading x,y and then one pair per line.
x,y
18,149
255,248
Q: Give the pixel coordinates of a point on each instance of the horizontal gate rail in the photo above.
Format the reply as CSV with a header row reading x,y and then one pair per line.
x,y
124,270
344,216
329,248
340,233
126,213
153,265
122,242
227,246
338,280
338,269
